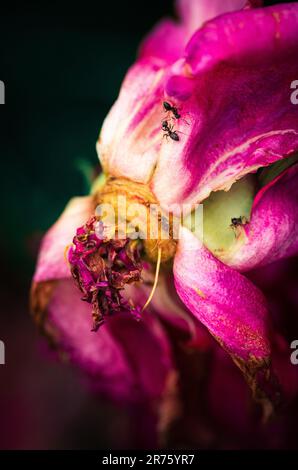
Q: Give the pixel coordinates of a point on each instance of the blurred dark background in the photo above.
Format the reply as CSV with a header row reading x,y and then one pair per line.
x,y
62,65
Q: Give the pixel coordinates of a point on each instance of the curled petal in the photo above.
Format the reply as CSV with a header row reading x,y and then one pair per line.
x,y
272,232
51,262
232,308
233,93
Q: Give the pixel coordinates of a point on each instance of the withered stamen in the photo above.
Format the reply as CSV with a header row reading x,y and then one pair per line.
x,y
101,268
155,279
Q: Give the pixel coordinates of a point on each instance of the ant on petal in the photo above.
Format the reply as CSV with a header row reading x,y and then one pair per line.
x,y
169,108
238,221
169,132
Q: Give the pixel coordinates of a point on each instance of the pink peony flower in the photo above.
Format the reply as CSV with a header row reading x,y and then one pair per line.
x,y
203,116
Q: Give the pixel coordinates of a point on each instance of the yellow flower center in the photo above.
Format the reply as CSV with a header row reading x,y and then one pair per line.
x,y
137,214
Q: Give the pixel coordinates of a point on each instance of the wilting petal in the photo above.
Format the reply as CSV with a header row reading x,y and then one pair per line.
x,y
272,232
231,307
126,359
147,349
233,93
131,134
51,262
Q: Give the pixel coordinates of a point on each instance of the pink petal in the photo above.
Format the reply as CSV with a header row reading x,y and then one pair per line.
x,y
168,39
131,134
195,13
231,307
51,262
126,359
233,93
272,232
165,42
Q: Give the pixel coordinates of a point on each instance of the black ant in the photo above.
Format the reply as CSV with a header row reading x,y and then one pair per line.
x,y
169,132
169,108
236,221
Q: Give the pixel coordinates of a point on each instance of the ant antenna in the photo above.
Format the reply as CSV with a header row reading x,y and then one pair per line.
x,y
183,133
155,279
